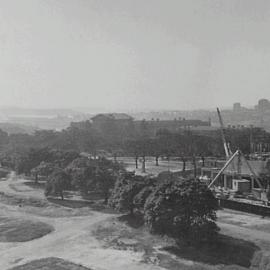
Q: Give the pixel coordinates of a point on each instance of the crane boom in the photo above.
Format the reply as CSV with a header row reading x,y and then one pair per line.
x,y
227,149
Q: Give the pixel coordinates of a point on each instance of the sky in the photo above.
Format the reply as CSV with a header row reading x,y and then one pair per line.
x,y
134,55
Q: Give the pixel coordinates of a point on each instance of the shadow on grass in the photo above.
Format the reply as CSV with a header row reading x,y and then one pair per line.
x,y
22,201
32,184
95,206
135,221
71,203
226,250
17,230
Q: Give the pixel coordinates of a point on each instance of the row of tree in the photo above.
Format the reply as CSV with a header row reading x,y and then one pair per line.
x,y
182,208
166,144
86,138
82,174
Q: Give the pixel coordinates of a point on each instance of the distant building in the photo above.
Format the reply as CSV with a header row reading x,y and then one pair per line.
x,y
153,126
119,119
81,125
115,126
237,107
125,124
263,105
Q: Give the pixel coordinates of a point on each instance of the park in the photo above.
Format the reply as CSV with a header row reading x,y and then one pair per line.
x,y
75,233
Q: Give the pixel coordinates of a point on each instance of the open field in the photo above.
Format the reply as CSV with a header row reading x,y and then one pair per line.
x,y
86,235
151,168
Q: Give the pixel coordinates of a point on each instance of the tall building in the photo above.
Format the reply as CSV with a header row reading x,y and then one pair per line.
x,y
263,105
237,107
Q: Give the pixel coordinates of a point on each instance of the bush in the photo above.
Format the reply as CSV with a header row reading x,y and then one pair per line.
x,y
184,209
127,186
94,175
57,183
140,198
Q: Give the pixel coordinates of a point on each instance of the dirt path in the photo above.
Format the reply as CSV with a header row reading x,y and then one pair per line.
x,y
245,233
244,225
72,239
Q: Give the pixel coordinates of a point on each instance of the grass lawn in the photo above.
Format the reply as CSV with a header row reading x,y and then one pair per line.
x,y
93,205
127,233
23,201
50,264
38,185
227,251
17,230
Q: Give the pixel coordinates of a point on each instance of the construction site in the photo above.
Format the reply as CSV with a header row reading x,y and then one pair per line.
x,y
237,179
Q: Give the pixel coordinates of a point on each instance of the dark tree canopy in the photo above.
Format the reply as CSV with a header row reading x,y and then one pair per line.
x,y
127,186
58,182
185,209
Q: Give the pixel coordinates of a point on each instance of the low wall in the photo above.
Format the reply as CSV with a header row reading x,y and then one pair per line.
x,y
245,207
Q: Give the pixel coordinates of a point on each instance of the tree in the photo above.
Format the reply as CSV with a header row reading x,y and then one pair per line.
x,y
28,160
141,197
57,183
155,149
96,175
62,158
127,186
106,175
3,138
133,148
83,174
44,169
182,208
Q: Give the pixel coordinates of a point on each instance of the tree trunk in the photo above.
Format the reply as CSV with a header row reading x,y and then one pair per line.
x,y
157,161
106,198
203,161
195,167
136,162
184,165
62,195
143,164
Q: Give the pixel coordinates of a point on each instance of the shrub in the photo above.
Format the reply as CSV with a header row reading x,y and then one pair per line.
x,y
127,186
184,209
141,197
57,183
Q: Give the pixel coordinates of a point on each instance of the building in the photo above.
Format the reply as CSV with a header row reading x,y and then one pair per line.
x,y
237,107
114,126
236,177
263,106
107,122
151,127
118,119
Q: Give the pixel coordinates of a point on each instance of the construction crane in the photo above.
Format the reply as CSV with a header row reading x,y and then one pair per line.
x,y
226,145
229,161
231,156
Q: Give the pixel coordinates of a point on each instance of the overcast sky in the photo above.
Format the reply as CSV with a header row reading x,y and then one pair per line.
x,y
134,54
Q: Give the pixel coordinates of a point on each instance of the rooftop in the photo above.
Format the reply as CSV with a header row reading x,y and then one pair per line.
x,y
113,116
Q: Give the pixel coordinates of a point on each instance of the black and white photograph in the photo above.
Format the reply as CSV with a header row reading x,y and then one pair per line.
x,y
134,135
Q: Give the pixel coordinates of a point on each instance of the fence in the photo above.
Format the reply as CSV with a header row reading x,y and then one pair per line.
x,y
245,207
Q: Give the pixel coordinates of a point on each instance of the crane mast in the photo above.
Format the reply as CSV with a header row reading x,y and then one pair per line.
x,y
226,146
